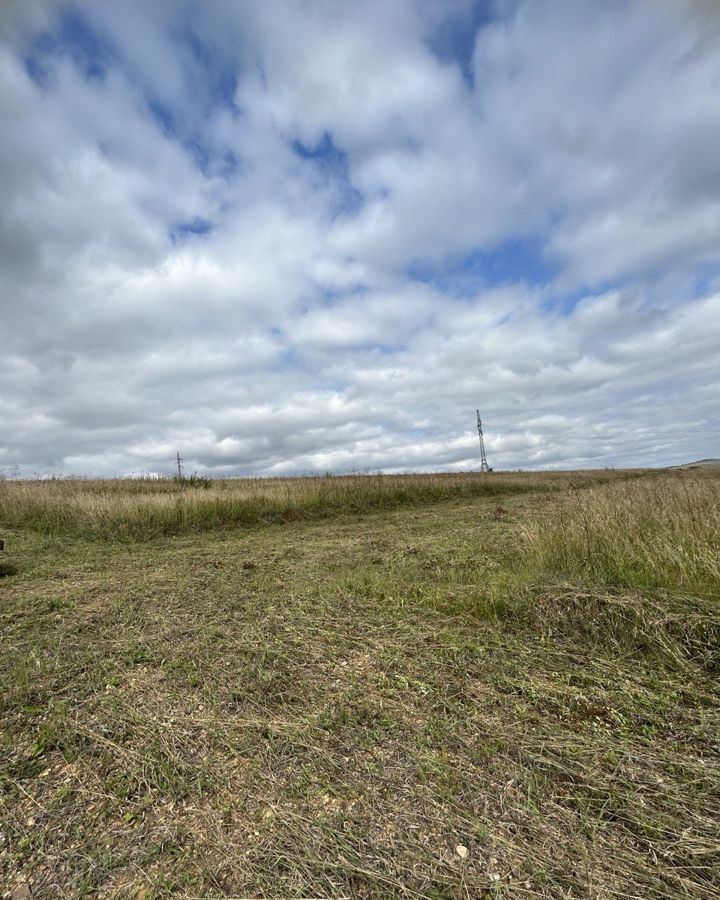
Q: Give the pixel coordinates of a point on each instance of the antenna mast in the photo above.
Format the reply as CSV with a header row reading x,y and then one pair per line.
x,y
484,467
179,466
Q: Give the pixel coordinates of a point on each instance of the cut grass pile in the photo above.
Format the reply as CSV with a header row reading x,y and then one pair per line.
x,y
342,707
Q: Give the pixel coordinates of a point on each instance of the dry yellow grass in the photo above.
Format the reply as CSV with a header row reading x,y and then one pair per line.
x,y
143,507
660,532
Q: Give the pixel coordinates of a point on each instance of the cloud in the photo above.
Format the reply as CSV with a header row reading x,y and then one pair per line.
x,y
317,236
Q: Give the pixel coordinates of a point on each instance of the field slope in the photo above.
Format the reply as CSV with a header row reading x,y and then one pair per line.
x,y
478,686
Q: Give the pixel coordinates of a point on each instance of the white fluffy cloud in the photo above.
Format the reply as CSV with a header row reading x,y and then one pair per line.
x,y
304,236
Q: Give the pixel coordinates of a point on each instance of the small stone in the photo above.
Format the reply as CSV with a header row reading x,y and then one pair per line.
x,y
462,851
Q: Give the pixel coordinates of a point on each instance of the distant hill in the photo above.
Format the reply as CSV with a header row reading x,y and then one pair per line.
x,y
700,463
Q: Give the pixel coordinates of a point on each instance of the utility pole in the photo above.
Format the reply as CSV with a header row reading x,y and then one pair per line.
x,y
484,467
179,466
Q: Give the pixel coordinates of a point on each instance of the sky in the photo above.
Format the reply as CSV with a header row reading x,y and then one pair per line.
x,y
309,236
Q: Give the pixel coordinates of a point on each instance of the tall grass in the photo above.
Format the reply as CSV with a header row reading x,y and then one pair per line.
x,y
143,508
658,532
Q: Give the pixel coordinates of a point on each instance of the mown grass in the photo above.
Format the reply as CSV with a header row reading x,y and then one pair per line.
x,y
331,707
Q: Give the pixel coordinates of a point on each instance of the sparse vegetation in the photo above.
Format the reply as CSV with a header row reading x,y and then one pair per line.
x,y
432,687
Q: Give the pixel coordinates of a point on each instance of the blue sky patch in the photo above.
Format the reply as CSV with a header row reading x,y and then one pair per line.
x,y
519,260
189,229
332,162
454,40
220,73
73,37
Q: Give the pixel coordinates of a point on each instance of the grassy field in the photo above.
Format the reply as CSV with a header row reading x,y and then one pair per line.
x,y
146,508
455,686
